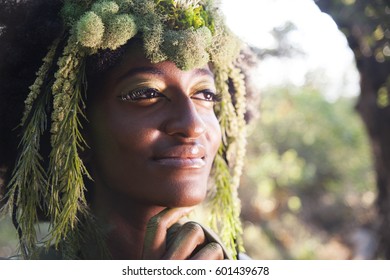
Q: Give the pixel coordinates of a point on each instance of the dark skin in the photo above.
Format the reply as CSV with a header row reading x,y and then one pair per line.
x,y
153,135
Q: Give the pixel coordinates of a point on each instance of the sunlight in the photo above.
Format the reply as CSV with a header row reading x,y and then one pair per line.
x,y
327,58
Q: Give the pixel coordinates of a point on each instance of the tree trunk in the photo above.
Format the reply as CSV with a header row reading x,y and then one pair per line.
x,y
377,121
366,25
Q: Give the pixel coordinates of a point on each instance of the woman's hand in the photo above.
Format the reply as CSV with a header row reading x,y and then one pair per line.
x,y
167,239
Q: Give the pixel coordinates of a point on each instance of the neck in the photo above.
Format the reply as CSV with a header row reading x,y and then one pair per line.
x,y
124,222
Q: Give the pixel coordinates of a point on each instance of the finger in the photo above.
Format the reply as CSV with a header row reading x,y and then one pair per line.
x,y
188,238
156,231
172,233
212,251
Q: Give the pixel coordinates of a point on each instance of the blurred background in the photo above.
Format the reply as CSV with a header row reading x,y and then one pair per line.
x,y
316,181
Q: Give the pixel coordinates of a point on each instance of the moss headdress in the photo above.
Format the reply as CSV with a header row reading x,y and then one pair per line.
x,y
190,33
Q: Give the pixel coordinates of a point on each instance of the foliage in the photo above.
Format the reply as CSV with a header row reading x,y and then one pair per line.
x,y
185,14
307,158
186,31
372,16
8,238
366,25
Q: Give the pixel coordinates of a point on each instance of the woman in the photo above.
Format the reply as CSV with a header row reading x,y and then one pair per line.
x,y
128,115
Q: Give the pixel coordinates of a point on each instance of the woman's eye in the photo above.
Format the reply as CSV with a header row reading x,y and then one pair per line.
x,y
141,94
207,95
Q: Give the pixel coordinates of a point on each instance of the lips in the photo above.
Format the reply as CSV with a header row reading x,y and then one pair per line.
x,y
182,156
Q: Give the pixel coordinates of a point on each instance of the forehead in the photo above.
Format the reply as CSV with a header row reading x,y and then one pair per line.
x,y
133,62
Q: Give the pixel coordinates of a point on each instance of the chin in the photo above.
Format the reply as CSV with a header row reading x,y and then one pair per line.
x,y
187,202
185,196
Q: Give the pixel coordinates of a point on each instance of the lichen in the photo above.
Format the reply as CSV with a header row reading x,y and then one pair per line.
x,y
153,38
119,30
105,8
187,48
90,30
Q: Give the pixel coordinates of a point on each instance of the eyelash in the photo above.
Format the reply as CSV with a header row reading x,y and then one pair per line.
x,y
151,93
136,95
212,96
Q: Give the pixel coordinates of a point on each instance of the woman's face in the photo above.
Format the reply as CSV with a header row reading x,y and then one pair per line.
x,y
153,132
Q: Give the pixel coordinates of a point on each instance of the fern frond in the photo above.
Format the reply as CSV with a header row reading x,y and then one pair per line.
x,y
66,167
27,186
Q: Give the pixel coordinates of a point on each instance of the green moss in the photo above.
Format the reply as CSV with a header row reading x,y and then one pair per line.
x,y
144,8
119,30
90,30
125,5
225,48
105,8
181,15
153,37
187,48
72,11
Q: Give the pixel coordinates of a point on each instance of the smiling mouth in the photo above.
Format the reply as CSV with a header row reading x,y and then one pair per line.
x,y
177,162
182,156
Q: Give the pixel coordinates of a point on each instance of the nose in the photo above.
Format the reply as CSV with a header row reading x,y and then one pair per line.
x,y
184,120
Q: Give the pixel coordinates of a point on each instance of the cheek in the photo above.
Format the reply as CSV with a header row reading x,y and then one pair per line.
x,y
120,155
117,140
214,134
121,139
121,127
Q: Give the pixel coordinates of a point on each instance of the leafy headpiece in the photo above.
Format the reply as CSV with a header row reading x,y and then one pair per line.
x,y
191,33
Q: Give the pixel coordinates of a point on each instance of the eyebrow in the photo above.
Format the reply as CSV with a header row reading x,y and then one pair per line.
x,y
141,70
204,72
158,72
